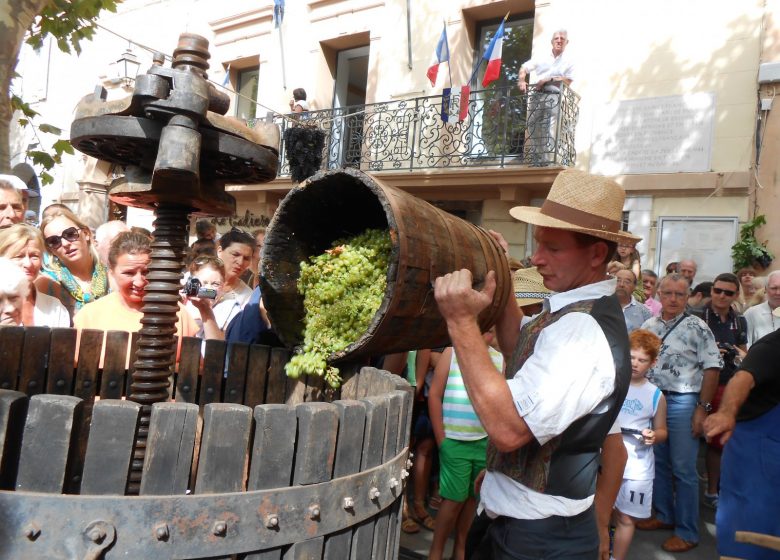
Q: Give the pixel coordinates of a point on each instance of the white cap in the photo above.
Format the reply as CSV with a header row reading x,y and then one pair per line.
x,y
15,181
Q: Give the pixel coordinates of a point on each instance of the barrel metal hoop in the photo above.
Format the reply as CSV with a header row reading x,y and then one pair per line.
x,y
196,526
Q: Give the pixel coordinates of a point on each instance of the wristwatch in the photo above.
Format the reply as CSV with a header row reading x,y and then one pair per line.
x,y
706,406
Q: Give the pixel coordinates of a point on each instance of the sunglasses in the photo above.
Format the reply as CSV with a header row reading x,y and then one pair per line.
x,y
719,291
55,241
204,260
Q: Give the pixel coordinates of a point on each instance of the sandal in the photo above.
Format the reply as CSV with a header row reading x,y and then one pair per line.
x,y
425,519
410,526
676,544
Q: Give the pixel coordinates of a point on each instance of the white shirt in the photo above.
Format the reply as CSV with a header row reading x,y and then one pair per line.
x,y
760,322
573,353
547,66
231,304
49,312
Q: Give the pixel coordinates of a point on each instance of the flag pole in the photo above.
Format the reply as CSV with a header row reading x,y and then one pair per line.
x,y
281,51
449,57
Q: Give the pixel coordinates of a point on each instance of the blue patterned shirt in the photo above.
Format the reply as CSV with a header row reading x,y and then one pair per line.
x,y
685,353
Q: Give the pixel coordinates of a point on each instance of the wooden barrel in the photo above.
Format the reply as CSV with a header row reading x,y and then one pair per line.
x,y
426,243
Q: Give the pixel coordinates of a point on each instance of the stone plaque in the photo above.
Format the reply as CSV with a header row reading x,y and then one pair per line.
x,y
654,135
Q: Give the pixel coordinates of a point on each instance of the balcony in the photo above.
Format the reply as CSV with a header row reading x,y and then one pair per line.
x,y
503,128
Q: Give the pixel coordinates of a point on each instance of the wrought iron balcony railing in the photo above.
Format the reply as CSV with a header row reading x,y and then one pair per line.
x,y
501,128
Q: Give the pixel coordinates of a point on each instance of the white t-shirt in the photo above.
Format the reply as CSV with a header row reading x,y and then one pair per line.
x,y
547,66
637,413
569,375
49,312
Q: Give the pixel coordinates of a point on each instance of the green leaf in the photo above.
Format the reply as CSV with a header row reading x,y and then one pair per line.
x,y
50,129
23,122
63,146
46,179
41,158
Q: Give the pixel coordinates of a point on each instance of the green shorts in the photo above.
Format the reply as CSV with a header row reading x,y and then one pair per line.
x,y
459,464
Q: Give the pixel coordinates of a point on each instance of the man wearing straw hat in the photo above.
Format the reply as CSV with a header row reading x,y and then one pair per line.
x,y
568,372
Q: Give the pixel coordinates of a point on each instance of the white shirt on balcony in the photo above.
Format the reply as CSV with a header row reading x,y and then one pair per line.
x,y
547,65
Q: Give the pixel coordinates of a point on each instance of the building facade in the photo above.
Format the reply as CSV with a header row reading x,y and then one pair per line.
x,y
666,98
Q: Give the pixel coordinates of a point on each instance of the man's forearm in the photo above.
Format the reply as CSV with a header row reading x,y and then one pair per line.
x,y
508,328
487,388
709,385
613,462
736,392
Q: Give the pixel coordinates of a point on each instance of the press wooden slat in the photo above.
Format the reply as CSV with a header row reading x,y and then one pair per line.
x,y
13,410
110,447
238,358
11,341
189,370
383,522
90,345
114,364
273,454
273,449
349,450
277,379
223,448
169,448
35,355
315,389
316,442
134,339
213,372
305,550
61,363
295,390
373,447
47,443
256,375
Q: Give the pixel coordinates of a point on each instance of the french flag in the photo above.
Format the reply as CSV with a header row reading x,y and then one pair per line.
x,y
441,54
493,56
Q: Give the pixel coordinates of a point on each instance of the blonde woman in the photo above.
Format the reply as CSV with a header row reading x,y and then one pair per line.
x,y
22,244
74,274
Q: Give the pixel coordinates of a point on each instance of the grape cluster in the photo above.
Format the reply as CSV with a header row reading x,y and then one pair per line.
x,y
342,289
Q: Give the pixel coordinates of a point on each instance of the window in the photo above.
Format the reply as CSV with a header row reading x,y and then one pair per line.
x,y
247,88
516,48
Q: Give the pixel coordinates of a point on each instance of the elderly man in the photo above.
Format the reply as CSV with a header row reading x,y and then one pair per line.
x,y
650,286
748,419
544,442
634,312
12,205
759,317
687,373
550,70
688,270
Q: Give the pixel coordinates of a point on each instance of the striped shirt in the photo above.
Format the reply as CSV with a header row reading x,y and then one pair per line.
x,y
460,420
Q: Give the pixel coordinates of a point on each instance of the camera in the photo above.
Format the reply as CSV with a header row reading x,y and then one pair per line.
x,y
193,289
730,354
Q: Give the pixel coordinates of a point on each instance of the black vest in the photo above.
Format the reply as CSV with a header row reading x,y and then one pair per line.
x,y
567,464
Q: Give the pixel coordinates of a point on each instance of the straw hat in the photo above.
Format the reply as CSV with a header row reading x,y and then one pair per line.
x,y
581,202
529,286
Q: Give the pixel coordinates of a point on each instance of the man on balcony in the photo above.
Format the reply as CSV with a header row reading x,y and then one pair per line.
x,y
550,70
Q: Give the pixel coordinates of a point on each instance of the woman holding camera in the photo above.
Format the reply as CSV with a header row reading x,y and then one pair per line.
x,y
210,274
128,261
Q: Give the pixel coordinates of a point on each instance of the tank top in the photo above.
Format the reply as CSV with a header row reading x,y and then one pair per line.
x,y
637,413
460,420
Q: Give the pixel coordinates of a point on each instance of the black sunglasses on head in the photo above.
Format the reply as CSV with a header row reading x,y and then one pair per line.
x,y
55,241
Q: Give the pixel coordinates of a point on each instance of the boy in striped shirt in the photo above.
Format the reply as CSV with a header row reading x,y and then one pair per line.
x,y
462,445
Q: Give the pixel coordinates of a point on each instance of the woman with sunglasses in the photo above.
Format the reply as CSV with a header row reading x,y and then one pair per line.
x,y
74,274
235,250
210,272
22,244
